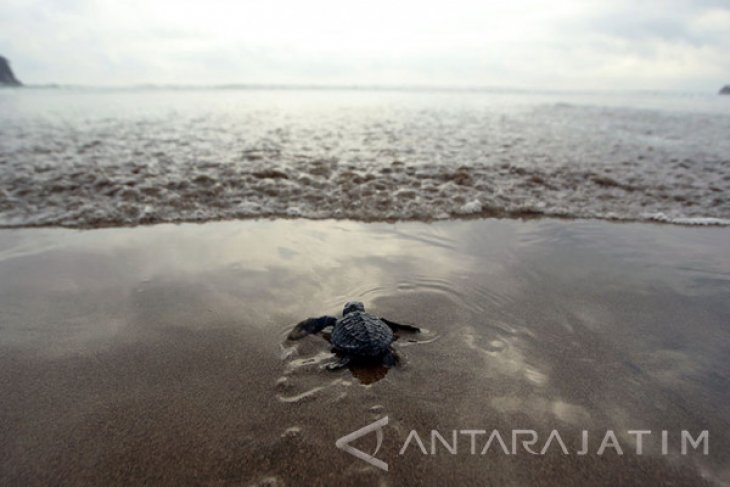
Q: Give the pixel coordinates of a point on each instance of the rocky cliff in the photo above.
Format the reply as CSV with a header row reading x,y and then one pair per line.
x,y
6,74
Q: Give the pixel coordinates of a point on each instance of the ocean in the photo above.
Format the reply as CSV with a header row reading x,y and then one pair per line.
x,y
88,157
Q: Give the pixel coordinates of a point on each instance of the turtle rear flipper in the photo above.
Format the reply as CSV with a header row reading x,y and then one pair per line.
x,y
311,325
390,359
342,362
400,327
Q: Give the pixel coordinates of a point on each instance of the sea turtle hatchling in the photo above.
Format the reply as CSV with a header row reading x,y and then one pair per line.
x,y
357,335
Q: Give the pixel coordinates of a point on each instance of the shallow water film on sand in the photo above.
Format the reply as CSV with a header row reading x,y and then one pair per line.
x,y
125,360
92,157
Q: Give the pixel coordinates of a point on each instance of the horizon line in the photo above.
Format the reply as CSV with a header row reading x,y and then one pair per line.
x,y
355,87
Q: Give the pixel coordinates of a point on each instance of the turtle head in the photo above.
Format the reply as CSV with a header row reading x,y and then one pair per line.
x,y
353,306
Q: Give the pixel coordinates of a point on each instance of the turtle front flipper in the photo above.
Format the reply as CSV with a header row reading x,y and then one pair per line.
x,y
311,325
399,327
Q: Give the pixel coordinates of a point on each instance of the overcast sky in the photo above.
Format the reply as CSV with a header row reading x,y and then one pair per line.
x,y
558,44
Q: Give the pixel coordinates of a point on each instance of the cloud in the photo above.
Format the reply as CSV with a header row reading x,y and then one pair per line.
x,y
671,44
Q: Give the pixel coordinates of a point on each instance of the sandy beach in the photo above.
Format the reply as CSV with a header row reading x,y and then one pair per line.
x,y
158,354
325,243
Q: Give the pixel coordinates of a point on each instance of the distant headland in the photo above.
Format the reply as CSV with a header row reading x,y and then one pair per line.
x,y
7,77
725,90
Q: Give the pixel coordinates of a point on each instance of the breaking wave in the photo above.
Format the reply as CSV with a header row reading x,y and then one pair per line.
x,y
371,161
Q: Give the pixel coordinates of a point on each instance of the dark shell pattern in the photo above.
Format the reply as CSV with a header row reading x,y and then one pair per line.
x,y
360,333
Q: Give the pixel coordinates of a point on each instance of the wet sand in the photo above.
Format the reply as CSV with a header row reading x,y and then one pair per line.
x,y
158,354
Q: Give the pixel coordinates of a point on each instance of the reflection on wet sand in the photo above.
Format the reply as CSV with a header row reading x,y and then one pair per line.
x,y
159,354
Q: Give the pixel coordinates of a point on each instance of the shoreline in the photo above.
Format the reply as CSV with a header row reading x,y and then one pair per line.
x,y
688,222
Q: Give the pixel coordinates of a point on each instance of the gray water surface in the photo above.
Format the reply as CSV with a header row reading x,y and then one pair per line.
x,y
83,157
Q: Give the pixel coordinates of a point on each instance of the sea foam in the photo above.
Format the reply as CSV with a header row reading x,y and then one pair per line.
x,y
84,159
